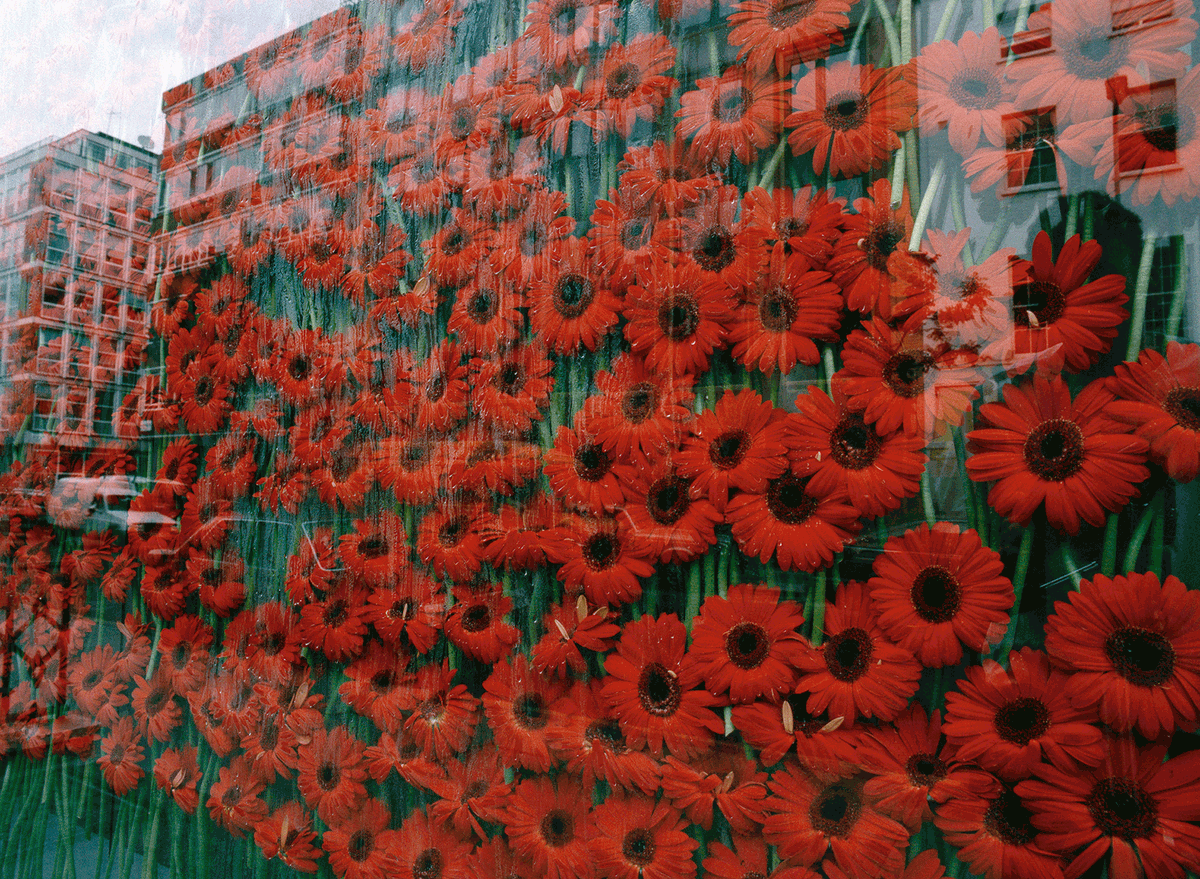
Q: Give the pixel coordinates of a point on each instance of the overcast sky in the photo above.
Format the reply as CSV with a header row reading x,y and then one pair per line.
x,y
104,64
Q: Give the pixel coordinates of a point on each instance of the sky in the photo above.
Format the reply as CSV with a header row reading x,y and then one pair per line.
x,y
104,64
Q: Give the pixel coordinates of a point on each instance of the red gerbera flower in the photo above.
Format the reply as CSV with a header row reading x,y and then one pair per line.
x,y
650,694
361,846
517,703
910,765
724,778
448,540
1133,647
1008,721
636,837
1058,315
287,834
562,30
899,380
995,836
631,85
601,558
747,643
549,822
739,444
748,857
735,114
569,630
803,224
586,734
1160,398
675,523
1039,446
411,605
424,848
475,624
637,410
177,773
938,589
121,756
330,773
964,87
622,235
337,624
512,387
582,473
1135,808
802,529
570,307
675,320
846,455
485,316
778,33
234,800
857,672
813,812
662,178
850,116
860,260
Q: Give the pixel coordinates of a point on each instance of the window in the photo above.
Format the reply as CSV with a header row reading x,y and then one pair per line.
x,y
1165,277
1030,155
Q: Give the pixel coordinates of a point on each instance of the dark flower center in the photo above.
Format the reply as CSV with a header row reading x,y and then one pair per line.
x,y
204,390
328,776
1160,127
94,677
453,531
373,547
117,754
1007,819
789,13
455,241
731,104
975,88
846,111
530,711
623,81
336,612
474,789
1054,449
714,249
659,691
667,501
638,402
510,379
925,770
558,828
360,846
1183,404
483,306
607,732
383,681
1022,720
435,388
1045,300
232,796
905,372
936,595
155,701
848,654
728,450
462,120
427,865
299,367
573,293
853,445
638,847
268,738
1121,807
1097,55
835,810
1142,657
476,618
747,645
401,610
777,310
880,241
601,550
635,233
788,501
534,239
592,463
679,316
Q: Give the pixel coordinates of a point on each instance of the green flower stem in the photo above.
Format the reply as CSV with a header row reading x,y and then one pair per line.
x,y
1134,549
1072,224
694,588
906,30
960,218
714,54
931,188
944,24
1070,566
960,457
1178,297
1019,576
150,853
881,532
859,32
1137,321
1022,17
898,174
1108,561
989,13
768,173
1157,538
999,230
818,611
927,499
889,31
